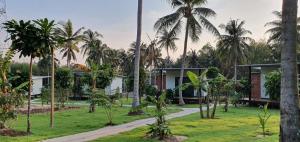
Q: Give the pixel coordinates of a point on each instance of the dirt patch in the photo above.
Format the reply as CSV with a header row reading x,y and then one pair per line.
x,y
134,113
175,139
12,133
44,110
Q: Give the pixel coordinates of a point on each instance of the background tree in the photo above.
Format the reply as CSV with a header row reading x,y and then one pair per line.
x,y
195,17
70,40
289,99
167,40
26,39
233,45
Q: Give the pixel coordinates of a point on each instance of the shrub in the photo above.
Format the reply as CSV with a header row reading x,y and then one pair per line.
x,y
169,95
45,95
63,78
212,72
160,129
272,85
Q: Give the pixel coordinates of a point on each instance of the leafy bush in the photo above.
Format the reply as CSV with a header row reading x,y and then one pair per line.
x,y
212,72
160,129
169,95
63,84
45,95
272,85
151,90
62,96
63,78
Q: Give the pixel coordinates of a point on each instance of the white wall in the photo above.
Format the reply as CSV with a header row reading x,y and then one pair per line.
x,y
116,82
37,86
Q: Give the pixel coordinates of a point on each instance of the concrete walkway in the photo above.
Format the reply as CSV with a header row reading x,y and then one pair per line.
x,y
112,130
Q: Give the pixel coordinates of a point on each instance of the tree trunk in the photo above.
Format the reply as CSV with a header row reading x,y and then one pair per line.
x,y
29,97
214,107
200,104
226,103
207,103
181,101
235,70
136,102
289,100
52,89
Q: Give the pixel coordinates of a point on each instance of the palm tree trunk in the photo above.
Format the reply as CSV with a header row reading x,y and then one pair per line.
x,y
207,102
136,102
216,99
181,101
289,100
226,103
235,70
200,103
29,97
52,89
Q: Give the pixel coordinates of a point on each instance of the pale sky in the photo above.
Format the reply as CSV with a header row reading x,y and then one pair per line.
x,y
116,19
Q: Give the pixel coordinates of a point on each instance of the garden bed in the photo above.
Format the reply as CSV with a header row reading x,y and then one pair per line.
x,y
12,133
47,109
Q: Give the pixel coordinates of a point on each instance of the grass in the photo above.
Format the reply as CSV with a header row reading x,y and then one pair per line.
x,y
237,125
71,122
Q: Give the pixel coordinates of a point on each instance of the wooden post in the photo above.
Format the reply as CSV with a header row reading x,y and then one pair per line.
x,y
250,82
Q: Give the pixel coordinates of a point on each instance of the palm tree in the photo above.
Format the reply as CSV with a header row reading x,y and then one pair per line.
x,y
153,57
276,28
49,41
195,17
193,59
167,41
136,102
93,46
27,40
289,99
234,43
70,40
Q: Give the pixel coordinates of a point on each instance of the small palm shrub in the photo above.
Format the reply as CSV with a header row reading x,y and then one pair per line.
x,y
160,129
45,95
263,117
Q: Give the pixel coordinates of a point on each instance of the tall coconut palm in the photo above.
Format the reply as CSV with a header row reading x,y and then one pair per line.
x,y
92,45
193,59
153,55
99,53
136,102
167,40
289,99
234,43
49,41
276,28
195,17
70,40
27,40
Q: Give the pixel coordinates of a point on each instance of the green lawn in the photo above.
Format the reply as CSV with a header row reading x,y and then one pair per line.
x,y
237,125
71,122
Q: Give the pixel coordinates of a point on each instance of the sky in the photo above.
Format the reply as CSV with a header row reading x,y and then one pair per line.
x,y
116,19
